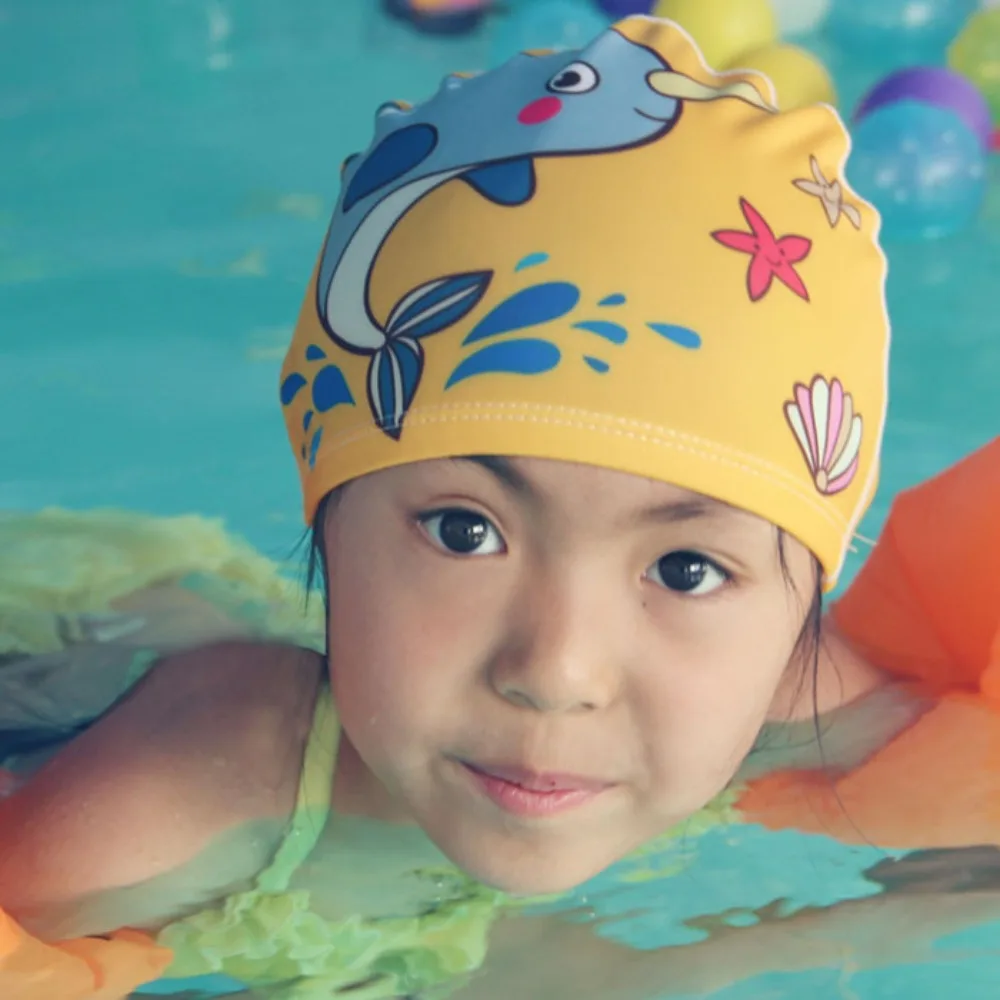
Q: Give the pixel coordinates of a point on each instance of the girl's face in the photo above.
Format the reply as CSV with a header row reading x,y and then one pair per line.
x,y
545,664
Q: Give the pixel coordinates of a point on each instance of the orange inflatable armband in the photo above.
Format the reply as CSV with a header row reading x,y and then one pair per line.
x,y
925,607
84,969
926,604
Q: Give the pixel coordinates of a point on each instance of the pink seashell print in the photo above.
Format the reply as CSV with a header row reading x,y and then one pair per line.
x,y
828,432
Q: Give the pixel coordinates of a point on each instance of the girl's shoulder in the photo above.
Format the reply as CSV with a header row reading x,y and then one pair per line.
x,y
209,743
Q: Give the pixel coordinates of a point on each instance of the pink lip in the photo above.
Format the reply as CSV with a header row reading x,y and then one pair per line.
x,y
536,782
527,793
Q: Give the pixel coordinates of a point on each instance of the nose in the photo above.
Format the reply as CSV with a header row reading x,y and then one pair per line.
x,y
563,652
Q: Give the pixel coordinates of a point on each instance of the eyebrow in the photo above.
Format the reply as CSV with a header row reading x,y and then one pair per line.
x,y
678,511
508,476
671,512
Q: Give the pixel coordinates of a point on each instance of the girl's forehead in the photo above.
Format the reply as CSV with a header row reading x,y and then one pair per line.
x,y
544,481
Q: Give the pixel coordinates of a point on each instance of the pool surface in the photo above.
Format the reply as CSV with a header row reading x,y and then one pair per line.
x,y
167,172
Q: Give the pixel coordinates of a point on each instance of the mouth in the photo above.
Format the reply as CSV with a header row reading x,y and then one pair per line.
x,y
653,118
526,793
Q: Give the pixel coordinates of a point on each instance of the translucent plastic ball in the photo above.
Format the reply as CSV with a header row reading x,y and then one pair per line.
x,y
545,24
800,17
924,25
976,55
724,29
799,78
935,85
625,8
439,17
921,167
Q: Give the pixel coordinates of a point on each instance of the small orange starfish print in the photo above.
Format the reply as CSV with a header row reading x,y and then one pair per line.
x,y
771,257
831,194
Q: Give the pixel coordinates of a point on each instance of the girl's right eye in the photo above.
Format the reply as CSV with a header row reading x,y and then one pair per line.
x,y
462,532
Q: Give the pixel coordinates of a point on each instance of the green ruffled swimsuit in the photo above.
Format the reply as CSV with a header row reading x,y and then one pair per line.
x,y
269,939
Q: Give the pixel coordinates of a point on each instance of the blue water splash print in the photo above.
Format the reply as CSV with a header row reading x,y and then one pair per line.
x,y
315,353
617,299
525,356
307,419
680,335
609,331
314,446
528,307
597,364
532,260
330,389
291,387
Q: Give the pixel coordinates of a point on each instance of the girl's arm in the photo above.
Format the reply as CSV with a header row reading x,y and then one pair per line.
x,y
177,795
552,958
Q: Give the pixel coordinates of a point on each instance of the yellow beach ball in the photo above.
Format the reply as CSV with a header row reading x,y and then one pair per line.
x,y
799,78
723,29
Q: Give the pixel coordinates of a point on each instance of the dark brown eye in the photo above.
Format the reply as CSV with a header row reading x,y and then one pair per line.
x,y
688,573
463,532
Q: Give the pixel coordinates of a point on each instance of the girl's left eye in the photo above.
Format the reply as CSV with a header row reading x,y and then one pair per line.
x,y
462,532
688,573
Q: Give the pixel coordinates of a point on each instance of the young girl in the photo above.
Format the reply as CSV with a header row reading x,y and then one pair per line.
x,y
586,397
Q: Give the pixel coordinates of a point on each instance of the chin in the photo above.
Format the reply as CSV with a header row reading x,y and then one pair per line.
x,y
522,858
516,884
517,870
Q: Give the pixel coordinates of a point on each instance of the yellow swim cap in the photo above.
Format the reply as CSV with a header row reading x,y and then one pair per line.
x,y
611,256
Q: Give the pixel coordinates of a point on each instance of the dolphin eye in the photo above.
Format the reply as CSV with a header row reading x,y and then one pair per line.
x,y
576,78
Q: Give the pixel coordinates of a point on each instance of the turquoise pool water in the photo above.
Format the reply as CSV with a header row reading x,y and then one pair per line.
x,y
167,169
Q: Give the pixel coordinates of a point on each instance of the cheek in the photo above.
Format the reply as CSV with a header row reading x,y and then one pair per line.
x,y
374,654
406,636
703,699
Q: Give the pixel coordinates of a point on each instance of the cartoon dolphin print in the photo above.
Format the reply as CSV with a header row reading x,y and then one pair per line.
x,y
613,95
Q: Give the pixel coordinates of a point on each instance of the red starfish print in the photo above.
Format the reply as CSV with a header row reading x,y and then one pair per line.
x,y
771,258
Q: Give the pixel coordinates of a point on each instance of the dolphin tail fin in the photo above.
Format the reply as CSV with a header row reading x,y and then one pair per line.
x,y
393,376
396,368
431,307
